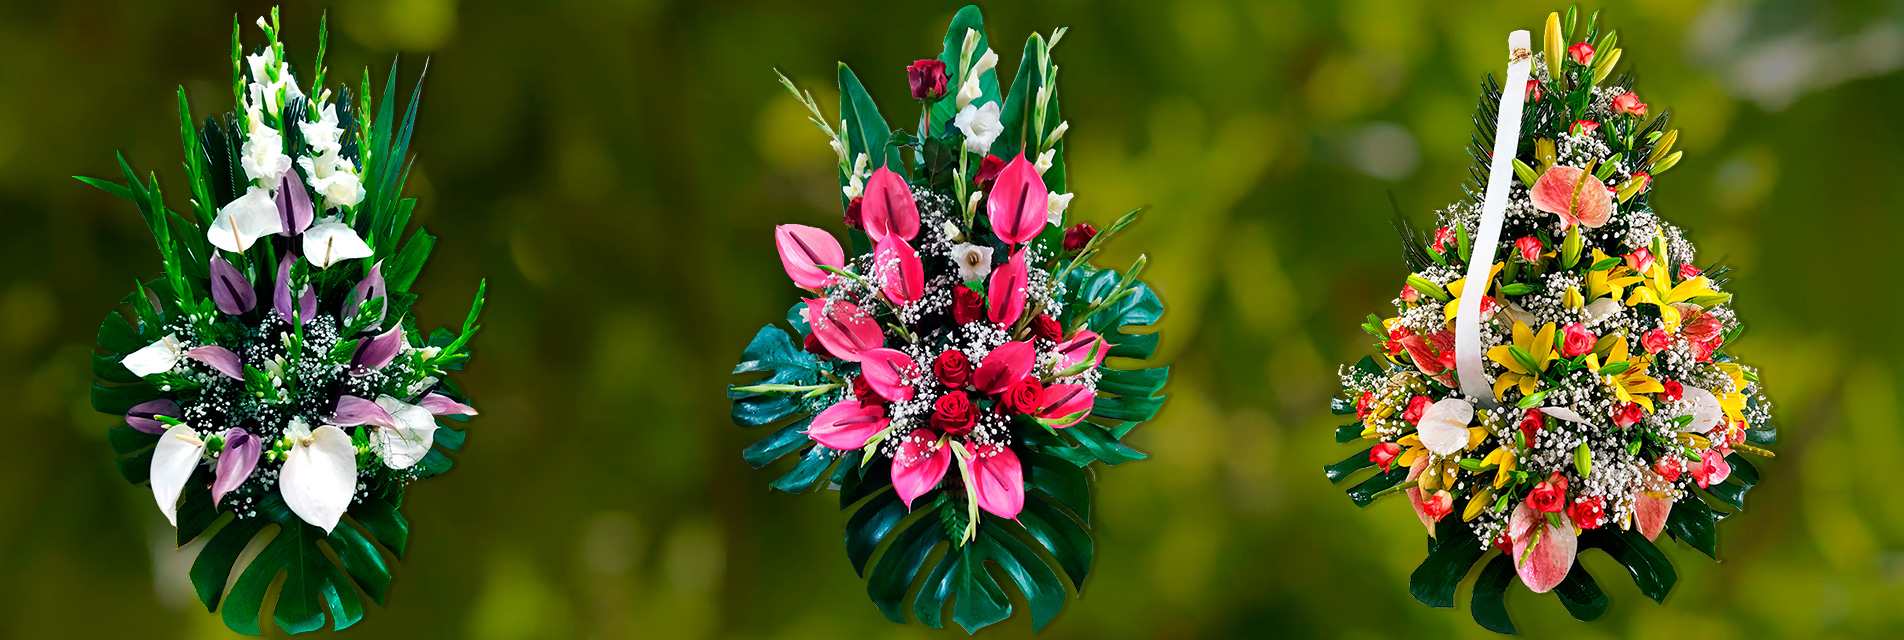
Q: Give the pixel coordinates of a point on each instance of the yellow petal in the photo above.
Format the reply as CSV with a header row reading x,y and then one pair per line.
x,y
1543,345
1476,436
1505,356
1410,440
1407,459
1522,334
1619,352
1528,384
1502,384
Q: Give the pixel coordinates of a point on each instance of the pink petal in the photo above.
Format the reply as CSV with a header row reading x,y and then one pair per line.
x,y
998,480
1552,556
1649,514
219,358
1017,204
143,416
236,462
1554,193
353,411
1081,346
899,272
379,351
230,290
843,328
891,373
442,405
919,465
1006,294
1414,494
1004,366
1066,400
887,207
281,295
803,250
294,204
847,425
372,287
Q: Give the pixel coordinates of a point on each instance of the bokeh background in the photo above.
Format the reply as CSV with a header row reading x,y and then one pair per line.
x,y
615,169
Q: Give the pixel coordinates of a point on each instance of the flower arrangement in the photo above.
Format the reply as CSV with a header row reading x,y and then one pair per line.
x,y
273,375
951,373
1581,396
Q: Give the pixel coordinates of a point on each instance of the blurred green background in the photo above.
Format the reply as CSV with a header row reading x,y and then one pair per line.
x,y
615,170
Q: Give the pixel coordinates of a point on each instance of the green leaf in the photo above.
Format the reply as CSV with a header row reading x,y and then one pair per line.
x,y
1058,533
136,469
1729,493
1341,406
1033,577
1693,522
384,522
807,473
1451,554
893,575
361,560
1016,116
118,336
212,568
1367,365
120,399
1364,493
1650,569
787,440
401,271
977,601
1349,432
1063,481
1489,605
1099,442
771,351
1581,595
1353,463
126,440
866,131
869,526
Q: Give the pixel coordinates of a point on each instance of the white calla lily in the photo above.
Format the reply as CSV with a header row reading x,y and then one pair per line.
x,y
329,242
178,453
242,221
1444,426
403,445
1601,308
320,473
158,357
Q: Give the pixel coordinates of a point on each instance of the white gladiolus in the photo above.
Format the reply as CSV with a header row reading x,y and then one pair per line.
x,y
1054,208
974,262
980,125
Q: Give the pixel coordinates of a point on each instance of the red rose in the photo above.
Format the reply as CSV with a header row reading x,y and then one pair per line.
x,y
1488,306
988,169
1667,468
1640,260
1531,425
1628,414
1581,53
863,391
1384,454
1438,504
1045,328
1079,235
1656,341
1409,294
1365,405
967,305
1584,127
1533,91
851,218
1628,104
1674,391
952,368
1416,406
1588,513
1443,237
812,345
1688,272
1022,397
1576,340
1505,544
927,78
1529,248
954,414
1549,496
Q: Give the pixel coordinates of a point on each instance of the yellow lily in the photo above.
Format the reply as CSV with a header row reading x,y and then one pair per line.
x,y
1502,456
1539,345
1628,385
1608,282
1455,288
1657,289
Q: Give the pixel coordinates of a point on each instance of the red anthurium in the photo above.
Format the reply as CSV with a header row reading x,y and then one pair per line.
x,y
803,250
1590,204
1082,345
844,329
997,480
919,464
1551,556
891,373
898,270
1007,290
1069,402
847,425
887,207
1004,366
1018,203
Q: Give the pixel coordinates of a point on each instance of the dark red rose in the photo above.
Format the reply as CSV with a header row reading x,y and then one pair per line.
x,y
1079,235
927,78
851,218
1023,396
952,368
813,346
1046,328
988,170
967,305
954,413
863,390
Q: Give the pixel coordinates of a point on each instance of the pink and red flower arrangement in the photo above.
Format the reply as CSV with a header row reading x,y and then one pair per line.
x,y
950,373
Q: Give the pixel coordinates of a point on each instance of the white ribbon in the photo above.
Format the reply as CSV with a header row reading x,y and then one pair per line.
x,y
1507,135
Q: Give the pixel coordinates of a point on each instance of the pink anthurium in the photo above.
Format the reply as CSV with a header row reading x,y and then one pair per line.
x,y
919,464
1004,366
1649,514
1006,294
1575,196
1084,344
1018,203
899,272
230,290
847,425
1414,495
997,479
236,462
219,358
1063,405
891,373
1551,555
887,207
442,405
803,250
845,330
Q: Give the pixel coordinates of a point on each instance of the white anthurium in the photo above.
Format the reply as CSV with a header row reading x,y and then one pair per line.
x,y
974,262
178,453
1518,313
1601,308
980,125
330,241
1563,413
320,473
403,445
1705,410
1444,426
1054,208
158,357
245,220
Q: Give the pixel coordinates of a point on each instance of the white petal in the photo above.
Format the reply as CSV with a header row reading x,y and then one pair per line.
x,y
1706,412
1564,413
1054,208
243,221
319,479
158,357
1600,309
173,460
406,444
333,242
1444,426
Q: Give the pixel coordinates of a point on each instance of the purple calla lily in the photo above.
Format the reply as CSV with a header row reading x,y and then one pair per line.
x,y
219,358
294,204
442,405
144,416
230,290
236,463
376,352
372,287
353,411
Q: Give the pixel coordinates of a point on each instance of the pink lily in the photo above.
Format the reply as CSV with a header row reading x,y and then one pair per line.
x,y
230,290
845,330
997,480
919,464
236,463
1083,344
1068,402
847,425
1591,204
890,372
1018,202
1004,366
304,308
442,405
1547,564
887,207
1007,290
1649,514
803,250
898,270
219,358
